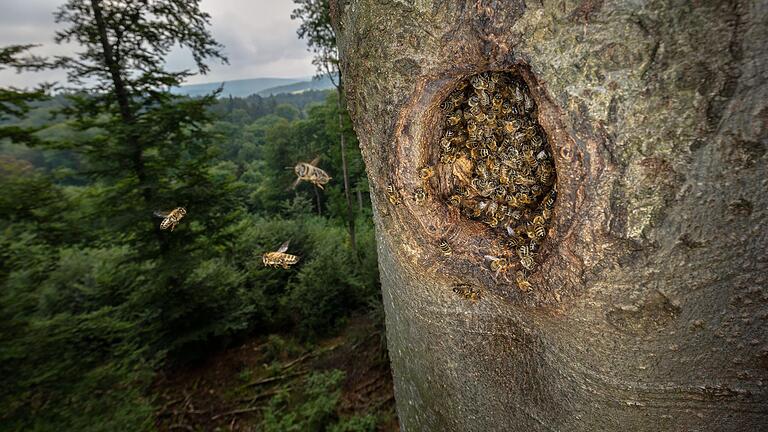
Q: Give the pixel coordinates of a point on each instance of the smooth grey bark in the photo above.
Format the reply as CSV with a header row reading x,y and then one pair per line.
x,y
649,311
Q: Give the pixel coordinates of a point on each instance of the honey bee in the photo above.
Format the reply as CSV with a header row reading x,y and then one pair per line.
x,y
478,82
454,118
467,291
171,218
280,258
455,200
485,100
498,265
311,173
419,195
473,101
521,281
445,248
511,126
528,262
394,199
426,173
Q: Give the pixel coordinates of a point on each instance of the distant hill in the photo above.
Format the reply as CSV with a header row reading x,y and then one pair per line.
x,y
323,83
260,86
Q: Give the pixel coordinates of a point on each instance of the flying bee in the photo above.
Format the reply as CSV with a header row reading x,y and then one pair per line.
x,y
521,281
394,199
466,291
171,218
280,258
311,173
445,248
426,173
419,195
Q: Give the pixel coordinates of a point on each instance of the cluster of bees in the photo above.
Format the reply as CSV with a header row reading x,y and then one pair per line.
x,y
305,171
500,165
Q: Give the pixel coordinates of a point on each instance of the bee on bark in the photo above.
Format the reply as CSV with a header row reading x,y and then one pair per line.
x,y
392,195
498,265
521,281
171,218
467,291
280,258
445,248
426,173
419,195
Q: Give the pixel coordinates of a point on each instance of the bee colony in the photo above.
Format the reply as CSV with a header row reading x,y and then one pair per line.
x,y
499,166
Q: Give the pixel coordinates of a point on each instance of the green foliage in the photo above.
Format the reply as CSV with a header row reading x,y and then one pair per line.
x,y
314,410
94,298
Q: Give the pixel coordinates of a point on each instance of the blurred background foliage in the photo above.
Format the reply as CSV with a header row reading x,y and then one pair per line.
x,y
95,300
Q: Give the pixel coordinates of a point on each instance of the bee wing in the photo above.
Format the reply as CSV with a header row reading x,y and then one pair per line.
x,y
284,246
315,161
296,183
492,258
161,214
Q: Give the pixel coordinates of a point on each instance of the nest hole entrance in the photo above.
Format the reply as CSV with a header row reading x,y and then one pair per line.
x,y
494,165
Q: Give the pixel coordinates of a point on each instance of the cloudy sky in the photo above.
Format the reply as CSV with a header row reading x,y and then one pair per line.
x,y
259,38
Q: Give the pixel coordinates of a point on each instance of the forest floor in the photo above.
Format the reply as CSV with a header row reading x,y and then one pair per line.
x,y
230,390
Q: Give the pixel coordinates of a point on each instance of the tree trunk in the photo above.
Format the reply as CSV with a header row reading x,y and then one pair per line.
x,y
648,310
350,213
122,98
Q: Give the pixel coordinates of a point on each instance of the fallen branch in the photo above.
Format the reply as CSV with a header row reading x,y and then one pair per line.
x,y
275,379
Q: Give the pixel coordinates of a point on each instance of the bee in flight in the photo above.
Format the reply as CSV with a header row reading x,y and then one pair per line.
x,y
280,258
311,173
171,218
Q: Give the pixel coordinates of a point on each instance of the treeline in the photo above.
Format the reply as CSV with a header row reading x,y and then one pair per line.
x,y
94,298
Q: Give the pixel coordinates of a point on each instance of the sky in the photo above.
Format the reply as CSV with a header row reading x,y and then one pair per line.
x,y
259,38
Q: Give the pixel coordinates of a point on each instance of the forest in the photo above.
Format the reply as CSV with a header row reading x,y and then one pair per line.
x,y
110,323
